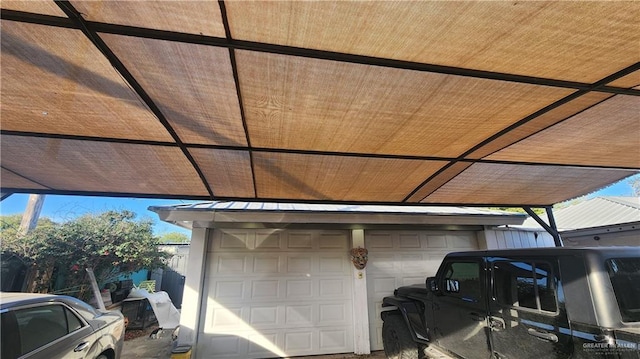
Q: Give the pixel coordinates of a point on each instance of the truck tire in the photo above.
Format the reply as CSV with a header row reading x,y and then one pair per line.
x,y
397,340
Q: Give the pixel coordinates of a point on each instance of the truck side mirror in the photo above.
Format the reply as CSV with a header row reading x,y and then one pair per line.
x,y
432,284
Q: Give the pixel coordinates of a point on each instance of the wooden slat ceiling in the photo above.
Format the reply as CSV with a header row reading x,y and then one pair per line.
x,y
439,102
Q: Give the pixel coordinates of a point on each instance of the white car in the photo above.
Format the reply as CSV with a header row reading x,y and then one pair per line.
x,y
49,326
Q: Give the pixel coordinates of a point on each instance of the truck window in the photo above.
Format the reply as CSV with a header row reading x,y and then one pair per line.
x,y
524,284
462,280
625,278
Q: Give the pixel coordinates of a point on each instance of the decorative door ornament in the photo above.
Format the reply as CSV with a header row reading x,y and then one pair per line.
x,y
359,257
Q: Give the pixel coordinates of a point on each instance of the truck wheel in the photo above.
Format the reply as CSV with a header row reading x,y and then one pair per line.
x,y
397,340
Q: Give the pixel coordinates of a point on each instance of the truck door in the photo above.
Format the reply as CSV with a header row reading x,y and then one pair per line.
x,y
460,309
527,317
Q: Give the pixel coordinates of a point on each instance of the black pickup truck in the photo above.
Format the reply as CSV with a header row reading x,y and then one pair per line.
x,y
526,303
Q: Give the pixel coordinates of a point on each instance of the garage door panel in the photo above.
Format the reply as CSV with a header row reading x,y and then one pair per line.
x,y
298,289
332,288
436,241
300,263
380,262
300,241
461,242
299,315
411,240
223,346
412,280
380,286
401,258
333,265
235,241
268,240
379,241
228,264
263,316
412,263
268,263
265,289
232,291
333,340
299,341
278,293
256,342
221,317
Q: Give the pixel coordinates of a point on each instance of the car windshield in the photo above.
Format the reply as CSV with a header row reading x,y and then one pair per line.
x,y
625,277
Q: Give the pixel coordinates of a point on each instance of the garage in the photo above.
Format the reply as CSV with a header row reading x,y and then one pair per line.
x,y
276,293
278,280
399,258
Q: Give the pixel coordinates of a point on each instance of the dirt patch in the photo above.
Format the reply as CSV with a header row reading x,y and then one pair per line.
x,y
137,333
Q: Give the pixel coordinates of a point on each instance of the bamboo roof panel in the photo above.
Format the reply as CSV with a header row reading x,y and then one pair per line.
x,y
75,165
486,183
614,142
439,180
300,103
227,171
307,177
534,38
632,80
541,122
45,7
13,180
195,17
70,88
193,86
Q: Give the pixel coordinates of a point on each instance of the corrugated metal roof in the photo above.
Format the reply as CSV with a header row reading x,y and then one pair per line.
x,y
328,208
595,212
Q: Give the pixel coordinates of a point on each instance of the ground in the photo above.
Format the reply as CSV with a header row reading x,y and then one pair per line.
x,y
139,345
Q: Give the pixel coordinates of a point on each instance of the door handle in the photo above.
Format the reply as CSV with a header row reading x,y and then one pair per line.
x,y
546,336
81,347
476,317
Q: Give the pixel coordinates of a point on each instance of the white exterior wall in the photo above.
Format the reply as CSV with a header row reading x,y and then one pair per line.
x,y
191,303
627,238
514,238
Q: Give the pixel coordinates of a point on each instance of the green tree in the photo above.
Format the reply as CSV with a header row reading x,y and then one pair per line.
x,y
111,243
174,237
9,229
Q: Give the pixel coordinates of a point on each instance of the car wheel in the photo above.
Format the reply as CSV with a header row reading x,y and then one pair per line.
x,y
397,340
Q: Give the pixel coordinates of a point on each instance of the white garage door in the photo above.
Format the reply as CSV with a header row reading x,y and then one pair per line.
x,y
398,258
276,293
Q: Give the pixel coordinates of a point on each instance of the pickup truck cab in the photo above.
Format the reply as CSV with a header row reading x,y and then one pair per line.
x,y
525,303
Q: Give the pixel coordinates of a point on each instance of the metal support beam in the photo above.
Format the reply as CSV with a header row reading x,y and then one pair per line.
x,y
551,228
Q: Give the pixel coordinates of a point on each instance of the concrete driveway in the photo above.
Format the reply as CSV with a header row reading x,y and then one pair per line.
x,y
145,347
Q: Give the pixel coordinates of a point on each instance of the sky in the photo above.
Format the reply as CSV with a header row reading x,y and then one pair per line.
x,y
61,208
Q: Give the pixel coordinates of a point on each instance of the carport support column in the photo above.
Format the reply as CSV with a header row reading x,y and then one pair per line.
x,y
194,284
361,342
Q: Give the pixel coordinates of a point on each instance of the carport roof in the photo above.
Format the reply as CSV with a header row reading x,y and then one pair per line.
x,y
433,102
216,214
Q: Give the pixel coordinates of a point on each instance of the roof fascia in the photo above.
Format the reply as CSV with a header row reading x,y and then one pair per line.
x,y
217,218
